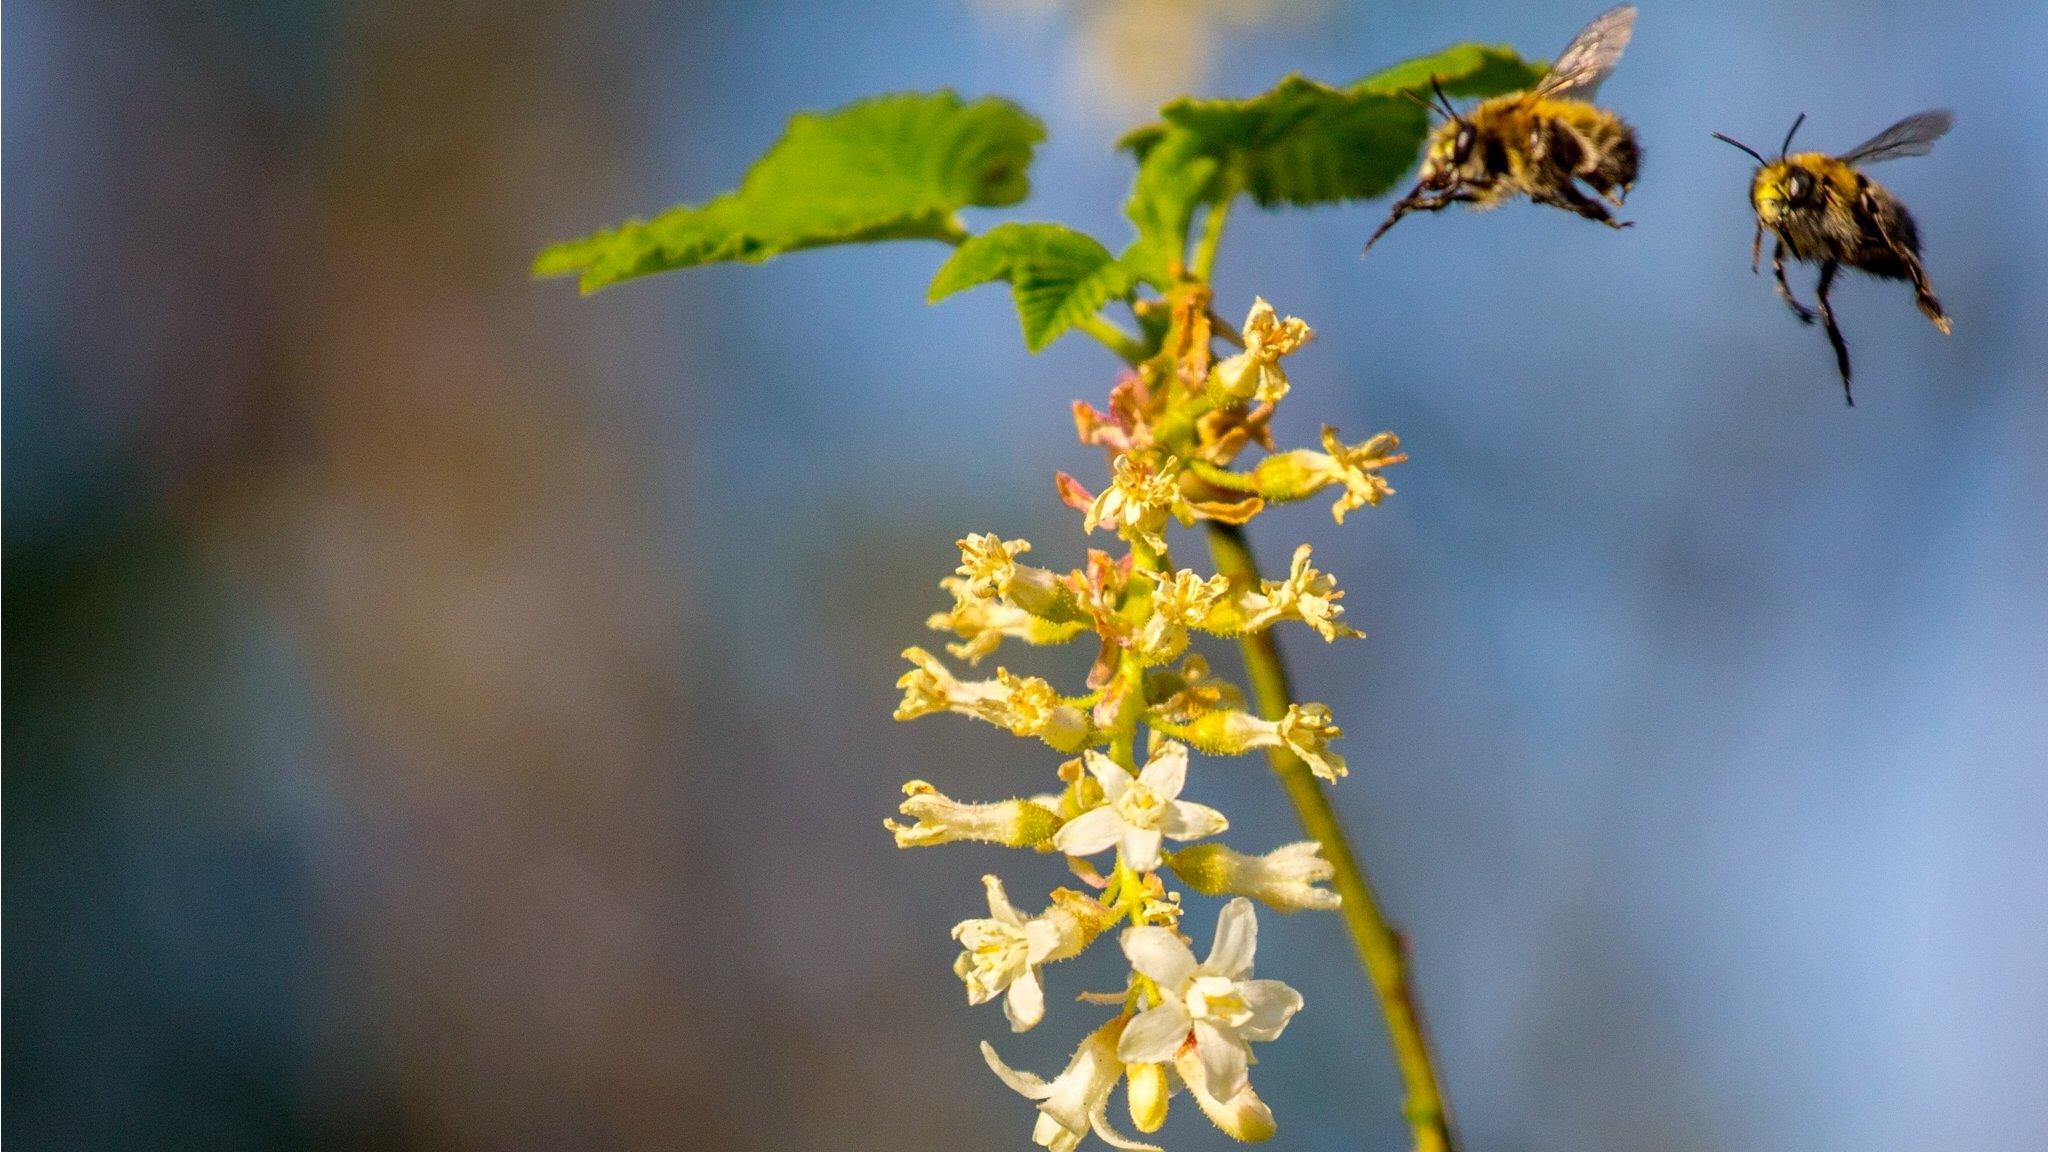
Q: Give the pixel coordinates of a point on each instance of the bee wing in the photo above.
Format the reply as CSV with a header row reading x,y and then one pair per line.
x,y
1913,136
1591,55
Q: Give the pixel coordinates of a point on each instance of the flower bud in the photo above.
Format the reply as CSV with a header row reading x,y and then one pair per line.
x,y
1146,1092
943,820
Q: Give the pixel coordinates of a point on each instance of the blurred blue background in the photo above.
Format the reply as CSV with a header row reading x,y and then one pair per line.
x,y
444,712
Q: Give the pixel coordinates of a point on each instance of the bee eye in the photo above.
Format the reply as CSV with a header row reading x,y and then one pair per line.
x,y
1462,147
1799,187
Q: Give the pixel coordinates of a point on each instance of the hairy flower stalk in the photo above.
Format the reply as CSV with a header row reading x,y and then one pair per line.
x,y
1173,430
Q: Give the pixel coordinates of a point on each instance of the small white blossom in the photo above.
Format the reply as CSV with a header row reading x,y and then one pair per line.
x,y
1255,373
1140,499
1286,879
989,572
1026,705
1307,595
1077,1100
940,819
1179,602
1216,1001
1357,468
1002,953
988,562
981,623
1306,731
1136,814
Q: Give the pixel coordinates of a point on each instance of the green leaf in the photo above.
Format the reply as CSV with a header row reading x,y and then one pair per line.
x,y
891,168
1175,176
1058,277
1305,142
1463,70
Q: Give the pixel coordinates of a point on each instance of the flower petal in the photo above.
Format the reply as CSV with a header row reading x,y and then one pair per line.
x,y
1237,940
1272,1003
1023,1083
1141,848
1225,1061
1054,1136
1244,1117
1189,821
1107,773
1025,1005
1158,953
1041,940
1090,832
1099,1120
1167,772
999,906
1154,1035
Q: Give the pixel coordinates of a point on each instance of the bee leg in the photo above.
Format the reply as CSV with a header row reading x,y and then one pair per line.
x,y
1804,313
1827,316
1406,204
1416,201
1756,248
1568,197
1923,291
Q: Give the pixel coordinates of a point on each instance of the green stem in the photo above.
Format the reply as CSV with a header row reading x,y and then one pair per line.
x,y
1127,347
1380,947
1204,265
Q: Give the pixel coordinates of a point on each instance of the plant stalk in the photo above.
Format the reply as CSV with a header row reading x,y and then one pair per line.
x,y
1379,945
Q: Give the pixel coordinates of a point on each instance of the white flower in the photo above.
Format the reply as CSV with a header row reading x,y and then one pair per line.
x,y
1179,602
1216,1001
1139,499
1137,813
1308,595
988,562
1076,1101
1256,372
1026,705
1003,953
1306,731
1357,468
943,820
1285,879
989,571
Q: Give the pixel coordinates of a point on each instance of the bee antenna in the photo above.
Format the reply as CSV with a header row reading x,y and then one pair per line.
x,y
1789,134
1739,144
1419,102
1437,87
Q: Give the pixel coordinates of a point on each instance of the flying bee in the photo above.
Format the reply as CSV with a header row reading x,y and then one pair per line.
x,y
1824,211
1537,143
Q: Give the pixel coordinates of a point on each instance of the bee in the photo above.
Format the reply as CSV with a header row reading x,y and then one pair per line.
x,y
1540,143
1824,211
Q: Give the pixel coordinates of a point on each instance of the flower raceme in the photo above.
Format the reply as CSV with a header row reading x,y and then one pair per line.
x,y
1172,430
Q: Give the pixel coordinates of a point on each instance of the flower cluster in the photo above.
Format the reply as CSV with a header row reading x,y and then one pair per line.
x,y
1174,429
